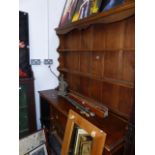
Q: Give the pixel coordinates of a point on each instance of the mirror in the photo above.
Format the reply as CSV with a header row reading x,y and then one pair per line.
x,y
82,137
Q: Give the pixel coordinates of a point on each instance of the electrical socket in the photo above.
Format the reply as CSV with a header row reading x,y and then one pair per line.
x,y
35,61
48,61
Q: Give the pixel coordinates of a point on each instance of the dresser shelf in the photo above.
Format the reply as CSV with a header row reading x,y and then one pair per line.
x,y
95,50
116,14
109,80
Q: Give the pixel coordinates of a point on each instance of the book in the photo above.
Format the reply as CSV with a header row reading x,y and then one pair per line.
x,y
68,12
108,4
82,10
95,6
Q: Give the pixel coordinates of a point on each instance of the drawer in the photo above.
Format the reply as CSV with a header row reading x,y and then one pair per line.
x,y
58,122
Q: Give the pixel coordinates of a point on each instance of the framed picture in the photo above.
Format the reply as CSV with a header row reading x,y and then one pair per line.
x,y
41,150
68,12
32,141
82,137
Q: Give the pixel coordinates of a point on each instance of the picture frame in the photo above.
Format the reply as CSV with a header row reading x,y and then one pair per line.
x,y
68,12
41,150
32,141
98,137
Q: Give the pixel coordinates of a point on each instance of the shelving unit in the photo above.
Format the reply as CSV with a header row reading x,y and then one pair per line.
x,y
97,58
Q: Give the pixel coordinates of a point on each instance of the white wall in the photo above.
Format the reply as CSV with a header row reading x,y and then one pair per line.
x,y
39,21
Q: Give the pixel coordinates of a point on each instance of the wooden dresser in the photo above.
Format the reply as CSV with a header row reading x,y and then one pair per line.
x,y
96,56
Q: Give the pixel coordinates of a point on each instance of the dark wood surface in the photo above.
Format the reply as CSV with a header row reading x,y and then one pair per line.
x,y
29,83
114,126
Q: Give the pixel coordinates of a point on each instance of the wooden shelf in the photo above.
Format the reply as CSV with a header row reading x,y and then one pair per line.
x,y
113,15
109,80
94,50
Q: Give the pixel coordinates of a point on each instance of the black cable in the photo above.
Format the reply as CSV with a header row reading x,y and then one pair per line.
x,y
52,71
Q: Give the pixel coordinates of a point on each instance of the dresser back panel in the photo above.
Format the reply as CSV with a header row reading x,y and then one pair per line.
x,y
98,62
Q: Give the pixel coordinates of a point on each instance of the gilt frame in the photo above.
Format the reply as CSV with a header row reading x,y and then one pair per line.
x,y
97,134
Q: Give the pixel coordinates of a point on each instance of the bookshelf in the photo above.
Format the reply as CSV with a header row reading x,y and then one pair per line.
x,y
97,58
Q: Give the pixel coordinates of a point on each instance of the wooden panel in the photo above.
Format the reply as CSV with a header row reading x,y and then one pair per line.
x,y
112,65
114,35
97,64
128,66
110,95
72,61
58,118
86,38
99,37
118,98
85,86
62,60
129,41
68,79
72,40
75,83
126,100
96,90
85,62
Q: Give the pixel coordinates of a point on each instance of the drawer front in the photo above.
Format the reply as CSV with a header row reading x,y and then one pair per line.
x,y
58,122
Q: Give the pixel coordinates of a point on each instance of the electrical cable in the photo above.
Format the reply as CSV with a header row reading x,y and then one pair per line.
x,y
48,26
52,71
48,37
